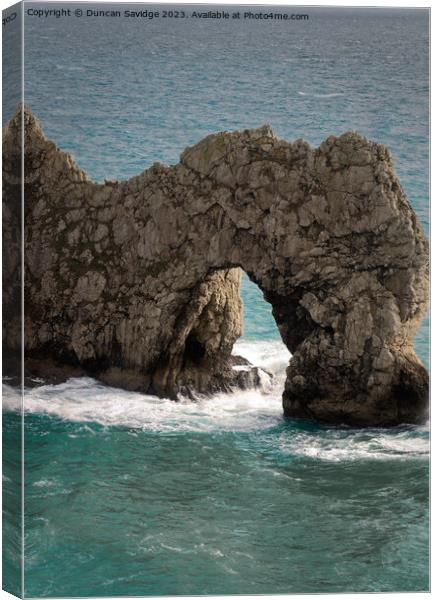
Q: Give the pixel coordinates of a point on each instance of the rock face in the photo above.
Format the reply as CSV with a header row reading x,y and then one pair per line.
x,y
137,281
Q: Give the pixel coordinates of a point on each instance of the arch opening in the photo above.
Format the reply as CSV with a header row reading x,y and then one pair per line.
x,y
261,342
231,342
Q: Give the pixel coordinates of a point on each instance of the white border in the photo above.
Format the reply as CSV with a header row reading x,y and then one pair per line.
x,y
319,3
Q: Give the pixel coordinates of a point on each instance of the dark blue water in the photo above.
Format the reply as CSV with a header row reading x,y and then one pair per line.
x,y
131,495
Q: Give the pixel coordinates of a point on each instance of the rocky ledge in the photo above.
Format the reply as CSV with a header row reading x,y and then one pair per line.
x,y
138,282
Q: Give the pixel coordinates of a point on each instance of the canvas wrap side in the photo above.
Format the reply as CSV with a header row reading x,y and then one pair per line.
x,y
12,229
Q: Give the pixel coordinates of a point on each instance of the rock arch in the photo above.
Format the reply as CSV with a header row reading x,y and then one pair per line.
x,y
137,281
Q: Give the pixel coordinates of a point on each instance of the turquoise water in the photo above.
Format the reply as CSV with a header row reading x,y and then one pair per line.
x,y
129,494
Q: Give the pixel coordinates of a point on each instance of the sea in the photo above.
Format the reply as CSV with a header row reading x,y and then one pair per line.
x,y
127,494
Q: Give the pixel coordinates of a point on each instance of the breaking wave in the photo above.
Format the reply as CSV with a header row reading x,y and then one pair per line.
x,y
85,400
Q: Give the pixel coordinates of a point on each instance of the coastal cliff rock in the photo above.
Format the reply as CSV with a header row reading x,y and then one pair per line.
x,y
137,281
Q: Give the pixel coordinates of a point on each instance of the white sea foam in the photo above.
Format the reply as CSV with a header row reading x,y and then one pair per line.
x,y
84,400
44,483
345,444
332,95
273,356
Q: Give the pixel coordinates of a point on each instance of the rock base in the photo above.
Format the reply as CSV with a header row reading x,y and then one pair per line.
x,y
234,374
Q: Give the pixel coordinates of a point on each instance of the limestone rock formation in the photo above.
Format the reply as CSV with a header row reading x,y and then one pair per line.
x,y
137,281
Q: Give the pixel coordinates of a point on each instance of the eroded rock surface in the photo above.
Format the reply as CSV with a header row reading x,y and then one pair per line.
x,y
138,281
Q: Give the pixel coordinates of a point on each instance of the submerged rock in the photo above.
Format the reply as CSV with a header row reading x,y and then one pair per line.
x,y
137,282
